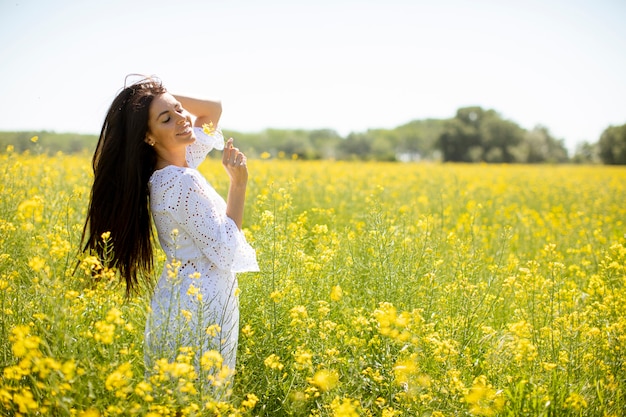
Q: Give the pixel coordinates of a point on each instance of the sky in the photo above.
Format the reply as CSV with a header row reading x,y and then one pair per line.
x,y
338,64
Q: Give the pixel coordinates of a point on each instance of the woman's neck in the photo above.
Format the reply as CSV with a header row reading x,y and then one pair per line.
x,y
167,160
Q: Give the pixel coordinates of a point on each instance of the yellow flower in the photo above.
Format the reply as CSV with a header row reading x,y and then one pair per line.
x,y
211,359
46,365
119,380
68,369
213,330
71,294
345,407
521,329
273,362
391,412
105,332
482,399
89,413
336,293
247,330
298,312
194,291
187,315
5,396
114,316
23,342
25,401
250,401
324,380
276,296
34,139
142,388
303,359
37,264
208,128
575,402
31,210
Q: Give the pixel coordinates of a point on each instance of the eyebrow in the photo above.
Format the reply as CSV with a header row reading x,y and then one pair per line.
x,y
178,105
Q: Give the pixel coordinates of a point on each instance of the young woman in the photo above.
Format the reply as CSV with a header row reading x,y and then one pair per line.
x,y
145,167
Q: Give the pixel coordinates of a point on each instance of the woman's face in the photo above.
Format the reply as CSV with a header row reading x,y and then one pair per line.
x,y
169,125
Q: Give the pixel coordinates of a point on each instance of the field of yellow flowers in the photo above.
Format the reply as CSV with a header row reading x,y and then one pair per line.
x,y
386,290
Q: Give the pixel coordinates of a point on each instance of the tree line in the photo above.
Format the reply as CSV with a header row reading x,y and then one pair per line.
x,y
474,134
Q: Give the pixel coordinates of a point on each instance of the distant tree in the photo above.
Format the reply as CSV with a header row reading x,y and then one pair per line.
x,y
356,146
540,146
324,144
418,138
457,140
48,142
612,145
586,153
498,138
475,135
383,149
383,144
460,139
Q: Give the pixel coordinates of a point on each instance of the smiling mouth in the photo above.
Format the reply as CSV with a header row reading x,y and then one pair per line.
x,y
185,132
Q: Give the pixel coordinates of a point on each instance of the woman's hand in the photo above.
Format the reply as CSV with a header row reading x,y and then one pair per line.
x,y
235,163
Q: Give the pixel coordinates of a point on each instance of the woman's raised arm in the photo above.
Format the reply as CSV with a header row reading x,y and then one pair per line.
x,y
205,111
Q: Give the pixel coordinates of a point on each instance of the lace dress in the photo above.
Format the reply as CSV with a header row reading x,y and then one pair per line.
x,y
195,303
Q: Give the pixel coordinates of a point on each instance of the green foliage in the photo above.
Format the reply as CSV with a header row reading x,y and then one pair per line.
x,y
539,146
586,153
473,135
304,144
612,145
48,142
478,135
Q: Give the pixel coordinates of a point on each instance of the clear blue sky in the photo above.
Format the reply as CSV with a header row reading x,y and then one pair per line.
x,y
339,64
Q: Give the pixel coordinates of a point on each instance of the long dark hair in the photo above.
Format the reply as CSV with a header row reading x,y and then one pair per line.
x,y
119,200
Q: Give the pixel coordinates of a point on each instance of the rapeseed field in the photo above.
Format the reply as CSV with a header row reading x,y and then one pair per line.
x,y
385,290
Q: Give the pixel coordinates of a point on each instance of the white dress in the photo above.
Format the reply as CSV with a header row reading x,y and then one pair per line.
x,y
195,302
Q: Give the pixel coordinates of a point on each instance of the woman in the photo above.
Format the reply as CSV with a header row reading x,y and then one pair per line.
x,y
144,166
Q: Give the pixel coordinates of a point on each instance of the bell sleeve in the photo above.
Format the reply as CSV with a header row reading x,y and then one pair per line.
x,y
204,143
201,212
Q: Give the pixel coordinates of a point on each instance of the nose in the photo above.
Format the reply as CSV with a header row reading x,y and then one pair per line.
x,y
184,117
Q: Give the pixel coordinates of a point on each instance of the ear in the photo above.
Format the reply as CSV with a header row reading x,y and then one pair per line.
x,y
149,140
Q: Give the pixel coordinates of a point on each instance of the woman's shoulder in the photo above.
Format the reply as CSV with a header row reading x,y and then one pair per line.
x,y
173,176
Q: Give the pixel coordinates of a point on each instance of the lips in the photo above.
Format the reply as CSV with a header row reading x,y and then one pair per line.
x,y
185,132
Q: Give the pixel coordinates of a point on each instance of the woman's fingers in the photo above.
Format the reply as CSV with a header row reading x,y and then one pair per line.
x,y
233,156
